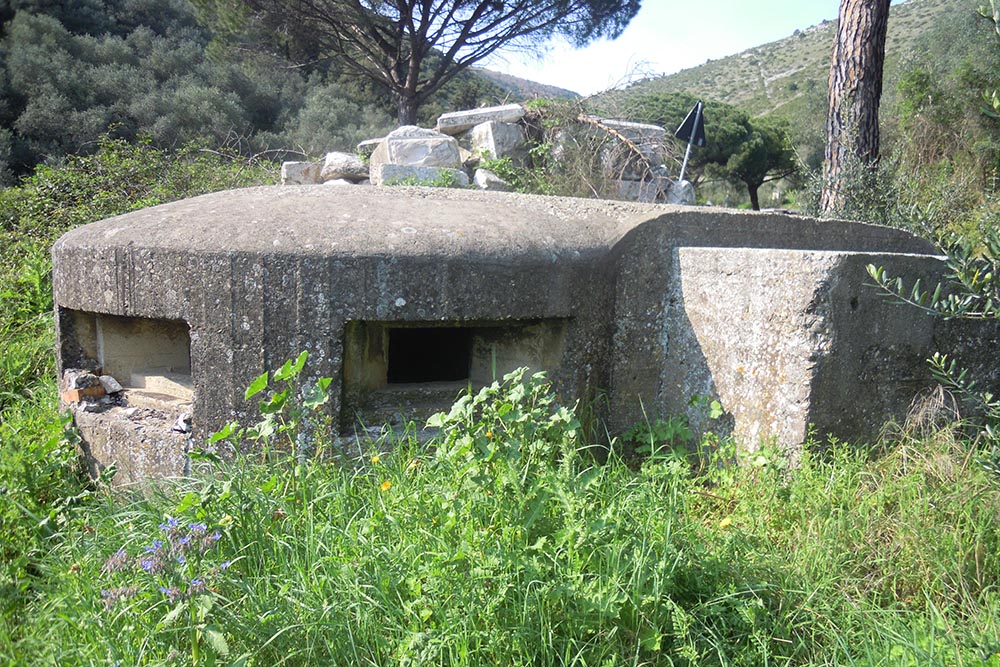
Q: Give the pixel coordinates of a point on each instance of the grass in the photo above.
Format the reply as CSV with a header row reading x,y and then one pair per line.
x,y
504,542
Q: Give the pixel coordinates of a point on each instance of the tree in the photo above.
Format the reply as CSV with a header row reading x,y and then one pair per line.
x,y
855,92
743,150
764,155
413,47
726,127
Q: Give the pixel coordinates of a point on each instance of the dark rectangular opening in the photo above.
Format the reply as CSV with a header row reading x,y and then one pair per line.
x,y
432,354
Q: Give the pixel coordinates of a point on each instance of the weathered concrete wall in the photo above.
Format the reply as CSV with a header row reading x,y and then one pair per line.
x,y
649,304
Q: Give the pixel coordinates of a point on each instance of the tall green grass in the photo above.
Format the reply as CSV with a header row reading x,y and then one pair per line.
x,y
41,487
503,542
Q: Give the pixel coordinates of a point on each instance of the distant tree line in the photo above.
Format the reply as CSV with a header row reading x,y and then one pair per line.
x,y
72,71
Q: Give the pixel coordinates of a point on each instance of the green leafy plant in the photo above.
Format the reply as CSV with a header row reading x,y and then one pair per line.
x,y
177,569
970,291
444,179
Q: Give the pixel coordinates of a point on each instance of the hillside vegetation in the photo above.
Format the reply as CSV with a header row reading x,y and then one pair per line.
x,y
767,78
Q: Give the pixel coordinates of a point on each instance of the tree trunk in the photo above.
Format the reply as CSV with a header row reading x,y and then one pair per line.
x,y
406,109
855,92
754,197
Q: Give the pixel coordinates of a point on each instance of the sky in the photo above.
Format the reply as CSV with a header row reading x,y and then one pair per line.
x,y
667,36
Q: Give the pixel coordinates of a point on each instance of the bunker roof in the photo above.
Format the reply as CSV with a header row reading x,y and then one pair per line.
x,y
334,221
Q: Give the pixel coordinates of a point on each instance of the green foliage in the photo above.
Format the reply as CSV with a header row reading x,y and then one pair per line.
x,y
765,154
43,493
444,179
970,291
534,178
330,120
502,542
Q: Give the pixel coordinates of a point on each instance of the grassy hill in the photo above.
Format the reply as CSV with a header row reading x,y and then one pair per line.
x,y
788,78
773,76
523,89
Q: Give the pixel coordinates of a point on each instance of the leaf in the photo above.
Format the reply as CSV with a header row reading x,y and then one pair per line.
x,y
263,430
217,640
172,615
274,404
223,433
290,369
650,639
257,386
270,484
437,420
190,500
202,455
317,394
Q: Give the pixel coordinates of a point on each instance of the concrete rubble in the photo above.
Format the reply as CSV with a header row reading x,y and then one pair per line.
x,y
632,153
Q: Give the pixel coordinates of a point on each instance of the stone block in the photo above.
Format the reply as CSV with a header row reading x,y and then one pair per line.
x,y
299,173
682,193
397,174
417,147
457,122
487,180
498,140
343,166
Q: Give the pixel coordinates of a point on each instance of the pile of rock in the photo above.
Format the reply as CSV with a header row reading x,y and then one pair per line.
x,y
89,390
450,155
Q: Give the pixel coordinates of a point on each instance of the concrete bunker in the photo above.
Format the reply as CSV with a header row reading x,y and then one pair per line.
x,y
408,295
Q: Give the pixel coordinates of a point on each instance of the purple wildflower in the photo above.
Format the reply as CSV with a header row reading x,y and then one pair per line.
x,y
116,562
197,527
197,586
156,546
169,524
111,596
172,593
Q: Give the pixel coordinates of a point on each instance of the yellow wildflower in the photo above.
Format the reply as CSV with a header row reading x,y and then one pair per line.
x,y
386,485
376,459
725,523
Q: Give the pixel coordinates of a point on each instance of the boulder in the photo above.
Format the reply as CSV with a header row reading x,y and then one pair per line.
x,y
487,180
647,191
343,166
397,174
498,140
457,122
681,192
111,385
299,173
368,146
417,147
